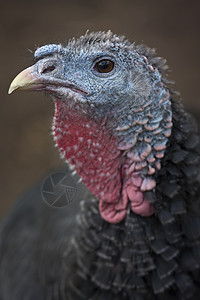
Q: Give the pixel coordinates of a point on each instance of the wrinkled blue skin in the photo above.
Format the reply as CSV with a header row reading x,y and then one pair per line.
x,y
78,68
82,64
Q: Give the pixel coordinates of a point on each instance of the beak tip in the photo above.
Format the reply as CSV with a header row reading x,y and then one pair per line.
x,y
13,86
23,81
10,90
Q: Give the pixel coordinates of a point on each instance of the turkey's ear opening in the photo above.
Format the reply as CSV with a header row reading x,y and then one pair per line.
x,y
140,84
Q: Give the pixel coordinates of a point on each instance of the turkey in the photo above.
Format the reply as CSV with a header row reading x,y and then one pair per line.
x,y
134,232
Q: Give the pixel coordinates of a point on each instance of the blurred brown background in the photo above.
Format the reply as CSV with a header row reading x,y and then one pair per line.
x,y
27,150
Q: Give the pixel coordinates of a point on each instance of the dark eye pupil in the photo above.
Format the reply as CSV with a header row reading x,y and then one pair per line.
x,y
104,66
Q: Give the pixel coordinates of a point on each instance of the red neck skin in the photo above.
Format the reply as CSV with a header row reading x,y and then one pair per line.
x,y
107,173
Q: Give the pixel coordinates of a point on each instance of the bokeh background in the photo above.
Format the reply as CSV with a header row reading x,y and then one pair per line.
x,y
27,151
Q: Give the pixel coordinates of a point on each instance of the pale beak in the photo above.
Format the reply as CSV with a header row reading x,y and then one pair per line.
x,y
25,80
40,77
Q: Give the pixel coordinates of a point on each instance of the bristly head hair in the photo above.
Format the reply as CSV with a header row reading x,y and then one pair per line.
x,y
95,41
101,39
98,38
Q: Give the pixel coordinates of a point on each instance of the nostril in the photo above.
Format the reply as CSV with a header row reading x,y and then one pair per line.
x,y
48,69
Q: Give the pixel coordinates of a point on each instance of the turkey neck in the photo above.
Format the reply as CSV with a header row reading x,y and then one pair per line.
x,y
118,164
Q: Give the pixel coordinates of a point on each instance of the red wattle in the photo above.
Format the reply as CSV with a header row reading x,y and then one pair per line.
x,y
94,153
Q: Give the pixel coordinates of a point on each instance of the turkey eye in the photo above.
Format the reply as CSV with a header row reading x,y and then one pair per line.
x,y
104,66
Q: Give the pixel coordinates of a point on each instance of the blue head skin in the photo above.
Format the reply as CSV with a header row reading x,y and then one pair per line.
x,y
128,84
131,91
